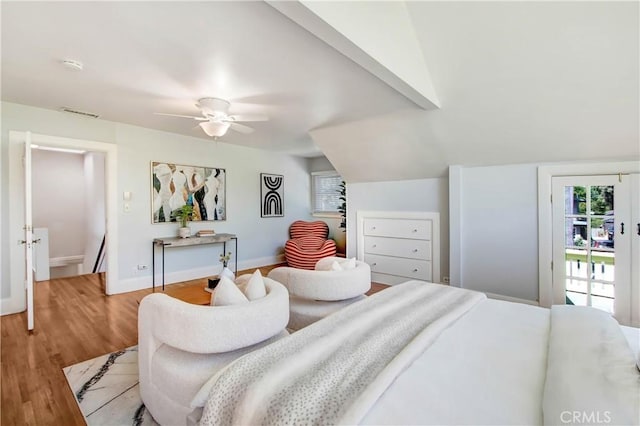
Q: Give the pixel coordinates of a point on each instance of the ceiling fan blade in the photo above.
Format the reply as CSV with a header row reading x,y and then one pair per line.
x,y
241,128
249,117
181,116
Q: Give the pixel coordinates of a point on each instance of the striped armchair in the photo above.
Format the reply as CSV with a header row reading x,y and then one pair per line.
x,y
308,244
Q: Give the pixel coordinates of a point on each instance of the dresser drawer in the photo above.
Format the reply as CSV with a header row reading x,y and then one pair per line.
x,y
398,228
412,249
410,268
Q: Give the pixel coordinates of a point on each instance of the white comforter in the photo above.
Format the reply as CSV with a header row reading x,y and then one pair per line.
x,y
487,369
334,370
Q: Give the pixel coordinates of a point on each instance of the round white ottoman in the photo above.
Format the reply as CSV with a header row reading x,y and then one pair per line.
x,y
303,312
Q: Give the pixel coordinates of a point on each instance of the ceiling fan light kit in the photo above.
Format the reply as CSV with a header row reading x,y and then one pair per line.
x,y
215,120
214,129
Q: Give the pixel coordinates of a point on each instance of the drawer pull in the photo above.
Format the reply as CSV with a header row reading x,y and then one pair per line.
x,y
374,246
415,269
374,264
415,230
373,228
415,250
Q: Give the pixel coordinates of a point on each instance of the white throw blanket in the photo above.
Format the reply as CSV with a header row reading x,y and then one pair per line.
x,y
334,370
591,374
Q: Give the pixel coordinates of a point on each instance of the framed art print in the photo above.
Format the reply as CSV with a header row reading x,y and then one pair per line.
x,y
271,195
174,185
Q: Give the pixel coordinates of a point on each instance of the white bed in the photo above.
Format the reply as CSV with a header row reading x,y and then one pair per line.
x,y
491,362
488,366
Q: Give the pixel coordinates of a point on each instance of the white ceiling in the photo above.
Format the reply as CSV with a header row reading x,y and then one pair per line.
x,y
142,57
517,81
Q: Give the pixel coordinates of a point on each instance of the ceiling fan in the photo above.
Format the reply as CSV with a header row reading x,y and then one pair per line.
x,y
215,119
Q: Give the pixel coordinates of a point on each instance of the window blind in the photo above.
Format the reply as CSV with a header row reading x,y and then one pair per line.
x,y
326,195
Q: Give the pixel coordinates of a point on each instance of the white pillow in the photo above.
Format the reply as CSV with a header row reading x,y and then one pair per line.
x,y
255,288
226,272
348,264
227,293
335,266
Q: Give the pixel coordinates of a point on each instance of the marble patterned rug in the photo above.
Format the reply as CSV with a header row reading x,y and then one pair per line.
x,y
106,389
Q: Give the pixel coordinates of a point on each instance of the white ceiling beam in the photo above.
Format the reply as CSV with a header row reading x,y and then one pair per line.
x,y
378,36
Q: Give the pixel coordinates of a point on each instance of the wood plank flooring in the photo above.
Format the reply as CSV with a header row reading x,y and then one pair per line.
x,y
74,322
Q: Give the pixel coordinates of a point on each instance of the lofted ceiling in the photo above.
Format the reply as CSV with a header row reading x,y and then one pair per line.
x,y
146,57
518,82
514,82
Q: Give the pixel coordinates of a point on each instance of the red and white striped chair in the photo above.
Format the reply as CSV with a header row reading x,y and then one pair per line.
x,y
308,244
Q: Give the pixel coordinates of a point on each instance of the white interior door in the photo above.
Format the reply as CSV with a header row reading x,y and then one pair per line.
x,y
592,244
28,232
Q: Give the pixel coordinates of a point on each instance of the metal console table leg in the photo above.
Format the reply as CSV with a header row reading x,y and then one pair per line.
x,y
153,266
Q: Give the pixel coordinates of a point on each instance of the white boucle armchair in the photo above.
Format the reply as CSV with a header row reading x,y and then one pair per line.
x,y
314,294
182,345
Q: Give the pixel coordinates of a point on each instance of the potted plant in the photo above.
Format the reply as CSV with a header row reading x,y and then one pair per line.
x,y
342,208
224,258
183,215
341,237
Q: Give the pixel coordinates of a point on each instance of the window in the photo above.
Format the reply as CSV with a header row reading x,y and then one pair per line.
x,y
325,193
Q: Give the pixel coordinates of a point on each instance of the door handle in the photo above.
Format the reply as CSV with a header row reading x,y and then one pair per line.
x,y
622,228
36,241
639,229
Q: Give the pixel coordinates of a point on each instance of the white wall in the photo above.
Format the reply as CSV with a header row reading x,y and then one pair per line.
x,y
498,230
94,204
260,239
58,200
430,195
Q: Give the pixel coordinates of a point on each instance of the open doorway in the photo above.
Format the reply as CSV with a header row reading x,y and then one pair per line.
x,y
17,293
68,212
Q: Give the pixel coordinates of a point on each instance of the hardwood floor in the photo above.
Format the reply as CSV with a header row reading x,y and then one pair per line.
x,y
74,321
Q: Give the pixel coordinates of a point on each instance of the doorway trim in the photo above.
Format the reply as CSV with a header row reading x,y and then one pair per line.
x,y
16,302
545,213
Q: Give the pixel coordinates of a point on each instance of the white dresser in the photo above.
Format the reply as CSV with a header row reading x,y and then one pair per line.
x,y
400,246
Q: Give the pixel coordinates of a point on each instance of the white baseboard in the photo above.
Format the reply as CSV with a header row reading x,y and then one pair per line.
x,y
145,281
511,299
55,262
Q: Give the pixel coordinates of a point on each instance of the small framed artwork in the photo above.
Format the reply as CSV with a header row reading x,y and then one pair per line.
x,y
176,185
271,195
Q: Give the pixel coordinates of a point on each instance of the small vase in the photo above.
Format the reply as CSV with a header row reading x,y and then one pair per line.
x,y
184,232
213,282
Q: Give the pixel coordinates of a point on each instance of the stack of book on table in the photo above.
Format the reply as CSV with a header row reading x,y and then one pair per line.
x,y
205,233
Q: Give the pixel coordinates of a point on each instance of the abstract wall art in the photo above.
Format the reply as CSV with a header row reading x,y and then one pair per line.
x,y
271,195
174,185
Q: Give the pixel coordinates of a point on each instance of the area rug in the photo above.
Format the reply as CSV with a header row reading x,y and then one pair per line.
x,y
106,389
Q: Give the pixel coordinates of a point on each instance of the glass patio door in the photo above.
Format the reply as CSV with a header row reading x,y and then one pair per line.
x,y
591,244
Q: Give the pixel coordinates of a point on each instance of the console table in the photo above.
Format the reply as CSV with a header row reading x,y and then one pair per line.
x,y
172,242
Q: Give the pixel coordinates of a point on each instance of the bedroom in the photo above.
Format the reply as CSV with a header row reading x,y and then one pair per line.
x,y
514,95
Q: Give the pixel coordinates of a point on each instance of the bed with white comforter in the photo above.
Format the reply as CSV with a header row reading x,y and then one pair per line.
x,y
420,353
